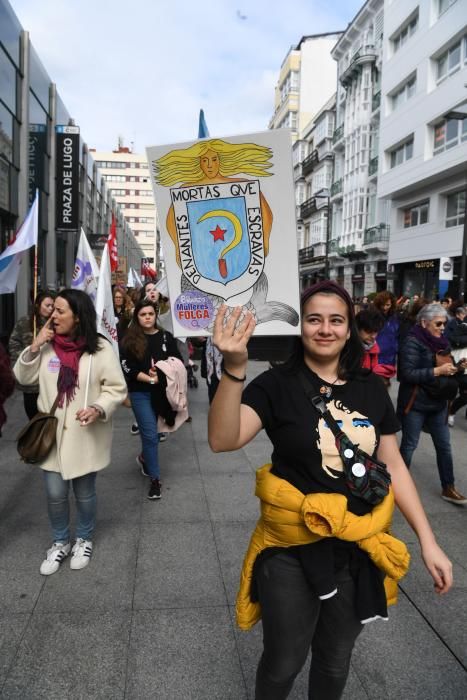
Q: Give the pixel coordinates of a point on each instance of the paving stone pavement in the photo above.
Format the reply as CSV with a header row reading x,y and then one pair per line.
x,y
153,614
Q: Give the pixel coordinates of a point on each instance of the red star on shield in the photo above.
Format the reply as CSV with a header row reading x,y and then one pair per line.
x,y
218,233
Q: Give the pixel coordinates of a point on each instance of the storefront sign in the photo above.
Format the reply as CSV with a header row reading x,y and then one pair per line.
x,y
67,183
358,278
425,265
446,268
36,156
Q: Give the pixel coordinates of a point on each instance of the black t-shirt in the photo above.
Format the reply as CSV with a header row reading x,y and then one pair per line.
x,y
304,451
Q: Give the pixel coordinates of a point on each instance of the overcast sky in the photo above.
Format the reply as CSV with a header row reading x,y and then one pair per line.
x,y
142,69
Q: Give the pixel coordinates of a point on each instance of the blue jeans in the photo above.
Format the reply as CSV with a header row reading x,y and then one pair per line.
x,y
294,619
58,506
436,424
146,417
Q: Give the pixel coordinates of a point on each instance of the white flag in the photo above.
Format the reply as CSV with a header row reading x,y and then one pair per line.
x,y
131,280
138,280
26,236
106,324
86,272
162,286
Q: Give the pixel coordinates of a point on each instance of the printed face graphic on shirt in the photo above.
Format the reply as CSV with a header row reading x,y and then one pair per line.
x,y
357,427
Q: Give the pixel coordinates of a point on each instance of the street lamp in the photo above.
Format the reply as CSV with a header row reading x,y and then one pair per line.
x,y
459,114
325,194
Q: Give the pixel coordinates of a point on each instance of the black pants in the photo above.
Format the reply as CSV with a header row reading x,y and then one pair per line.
x,y
459,402
30,404
294,619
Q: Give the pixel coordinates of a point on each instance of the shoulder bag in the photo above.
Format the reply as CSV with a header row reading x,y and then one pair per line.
x,y
366,477
36,439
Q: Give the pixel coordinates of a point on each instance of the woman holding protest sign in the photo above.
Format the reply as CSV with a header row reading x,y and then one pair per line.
x,y
314,584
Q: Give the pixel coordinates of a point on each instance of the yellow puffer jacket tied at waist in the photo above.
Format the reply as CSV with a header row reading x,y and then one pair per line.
x,y
289,518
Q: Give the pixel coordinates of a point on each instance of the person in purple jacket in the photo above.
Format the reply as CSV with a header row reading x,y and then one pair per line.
x,y
388,337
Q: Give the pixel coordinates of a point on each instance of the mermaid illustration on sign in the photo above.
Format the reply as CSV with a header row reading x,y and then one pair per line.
x,y
220,224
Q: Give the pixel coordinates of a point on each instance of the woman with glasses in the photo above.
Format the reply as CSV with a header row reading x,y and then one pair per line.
x,y
422,401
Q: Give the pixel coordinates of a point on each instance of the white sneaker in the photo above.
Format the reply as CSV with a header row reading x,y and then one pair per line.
x,y
80,554
451,421
55,555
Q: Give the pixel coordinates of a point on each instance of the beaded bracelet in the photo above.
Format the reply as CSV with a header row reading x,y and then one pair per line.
x,y
232,376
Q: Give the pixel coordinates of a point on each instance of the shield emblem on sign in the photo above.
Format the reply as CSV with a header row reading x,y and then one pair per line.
x,y
220,236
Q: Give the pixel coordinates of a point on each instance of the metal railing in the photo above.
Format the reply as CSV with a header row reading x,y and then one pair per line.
x,y
338,134
308,207
373,166
336,187
376,234
376,101
309,163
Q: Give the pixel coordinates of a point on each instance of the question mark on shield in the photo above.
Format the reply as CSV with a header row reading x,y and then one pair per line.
x,y
238,233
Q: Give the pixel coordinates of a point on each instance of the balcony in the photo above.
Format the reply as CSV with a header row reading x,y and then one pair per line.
x,y
338,135
376,238
309,163
308,208
312,253
373,166
306,255
336,188
333,247
366,54
352,251
376,101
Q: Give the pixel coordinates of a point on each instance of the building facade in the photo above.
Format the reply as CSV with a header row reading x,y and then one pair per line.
x,y
32,114
423,142
360,226
313,171
306,81
127,175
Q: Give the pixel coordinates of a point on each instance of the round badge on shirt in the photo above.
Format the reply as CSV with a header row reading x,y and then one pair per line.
x,y
358,469
53,365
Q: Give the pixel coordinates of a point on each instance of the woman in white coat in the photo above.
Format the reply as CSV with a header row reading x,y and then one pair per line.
x,y
71,362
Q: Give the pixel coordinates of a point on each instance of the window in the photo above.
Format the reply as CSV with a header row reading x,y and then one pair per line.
x,y
455,209
114,178
416,215
444,5
404,93
110,164
406,31
117,193
401,153
448,133
450,61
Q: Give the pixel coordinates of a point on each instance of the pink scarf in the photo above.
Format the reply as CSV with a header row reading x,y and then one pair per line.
x,y
68,352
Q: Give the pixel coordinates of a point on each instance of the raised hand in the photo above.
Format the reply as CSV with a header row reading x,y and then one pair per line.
x,y
231,335
45,335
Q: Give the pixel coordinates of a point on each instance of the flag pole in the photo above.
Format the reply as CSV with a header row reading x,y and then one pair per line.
x,y
34,329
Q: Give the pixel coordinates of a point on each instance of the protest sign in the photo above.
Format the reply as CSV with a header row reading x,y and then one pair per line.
x,y
227,214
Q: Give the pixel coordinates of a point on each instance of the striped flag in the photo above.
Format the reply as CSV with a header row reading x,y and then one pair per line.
x,y
25,238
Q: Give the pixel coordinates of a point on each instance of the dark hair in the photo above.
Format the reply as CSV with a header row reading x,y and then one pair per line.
x,y
351,357
83,308
43,294
142,294
370,320
135,341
